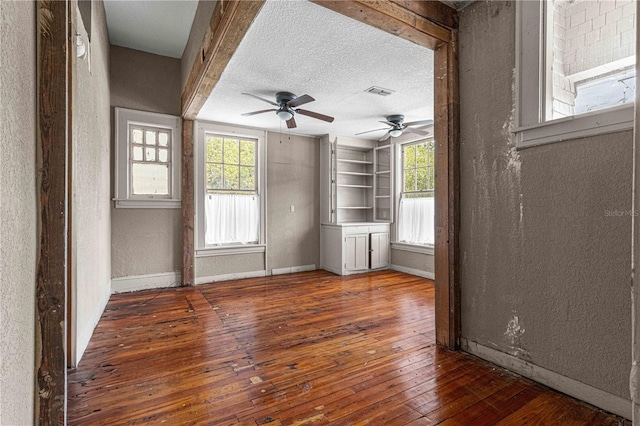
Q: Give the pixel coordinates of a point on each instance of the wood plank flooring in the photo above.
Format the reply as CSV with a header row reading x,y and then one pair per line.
x,y
303,349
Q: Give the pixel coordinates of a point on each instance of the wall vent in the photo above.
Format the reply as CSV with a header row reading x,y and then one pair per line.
x,y
379,91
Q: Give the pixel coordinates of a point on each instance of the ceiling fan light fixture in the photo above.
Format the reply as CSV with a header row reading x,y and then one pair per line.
x,y
394,133
284,115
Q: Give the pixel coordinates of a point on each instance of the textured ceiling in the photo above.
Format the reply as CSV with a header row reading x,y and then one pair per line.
x,y
160,27
300,47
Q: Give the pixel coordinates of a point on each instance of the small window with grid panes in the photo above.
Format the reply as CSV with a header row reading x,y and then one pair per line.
x,y
150,161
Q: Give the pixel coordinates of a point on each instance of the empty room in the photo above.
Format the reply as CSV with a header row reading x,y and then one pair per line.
x,y
292,212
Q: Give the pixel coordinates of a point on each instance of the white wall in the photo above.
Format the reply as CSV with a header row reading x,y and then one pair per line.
x,y
90,200
18,240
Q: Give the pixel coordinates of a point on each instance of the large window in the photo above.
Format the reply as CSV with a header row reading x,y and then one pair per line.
x,y
229,182
417,202
147,160
576,68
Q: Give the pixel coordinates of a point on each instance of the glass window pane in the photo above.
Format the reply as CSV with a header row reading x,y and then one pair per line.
x,y
214,149
150,179
214,176
247,153
410,180
137,135
422,179
150,137
150,154
137,153
163,139
422,155
409,156
247,178
231,151
231,176
163,155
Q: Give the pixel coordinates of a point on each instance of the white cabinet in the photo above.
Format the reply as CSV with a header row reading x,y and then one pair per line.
x,y
354,248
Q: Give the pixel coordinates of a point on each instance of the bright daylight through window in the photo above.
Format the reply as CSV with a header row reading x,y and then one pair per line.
x,y
591,55
417,202
150,160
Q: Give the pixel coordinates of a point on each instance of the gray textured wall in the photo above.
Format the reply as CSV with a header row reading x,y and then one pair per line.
x,y
91,212
408,259
18,246
145,241
537,243
230,264
199,27
293,178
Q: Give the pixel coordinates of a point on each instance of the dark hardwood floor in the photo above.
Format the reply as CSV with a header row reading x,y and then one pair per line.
x,y
303,349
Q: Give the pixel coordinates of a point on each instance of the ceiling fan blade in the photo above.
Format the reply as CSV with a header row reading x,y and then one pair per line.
x,y
300,100
262,99
386,136
291,123
417,131
369,131
315,115
387,122
247,114
419,123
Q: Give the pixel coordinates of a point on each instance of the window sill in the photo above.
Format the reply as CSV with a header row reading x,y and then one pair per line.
x,y
147,204
579,126
414,248
230,250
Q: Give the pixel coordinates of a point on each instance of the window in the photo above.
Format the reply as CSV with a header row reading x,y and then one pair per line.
x,y
229,182
575,68
147,169
417,207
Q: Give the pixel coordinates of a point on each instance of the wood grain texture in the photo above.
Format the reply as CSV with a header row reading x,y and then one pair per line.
x,y
51,278
230,21
435,11
188,208
307,348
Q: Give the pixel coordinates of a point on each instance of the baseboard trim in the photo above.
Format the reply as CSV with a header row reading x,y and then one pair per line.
x,y
412,271
145,282
228,277
293,269
594,396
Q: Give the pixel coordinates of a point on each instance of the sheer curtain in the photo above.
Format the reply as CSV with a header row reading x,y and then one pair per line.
x,y
416,220
231,218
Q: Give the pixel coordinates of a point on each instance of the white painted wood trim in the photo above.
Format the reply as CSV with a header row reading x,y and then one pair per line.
x,y
228,277
412,271
293,269
594,396
145,282
414,248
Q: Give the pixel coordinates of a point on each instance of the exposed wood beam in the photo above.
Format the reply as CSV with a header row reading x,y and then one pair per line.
x,y
434,11
187,204
51,139
229,23
392,18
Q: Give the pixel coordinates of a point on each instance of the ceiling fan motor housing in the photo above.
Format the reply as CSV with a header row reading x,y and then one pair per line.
x,y
283,97
396,119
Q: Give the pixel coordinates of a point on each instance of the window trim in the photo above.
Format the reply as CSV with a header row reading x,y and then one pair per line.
x,y
123,197
532,57
406,139
201,128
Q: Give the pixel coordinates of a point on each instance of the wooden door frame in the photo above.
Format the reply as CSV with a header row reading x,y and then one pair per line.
x,y
428,23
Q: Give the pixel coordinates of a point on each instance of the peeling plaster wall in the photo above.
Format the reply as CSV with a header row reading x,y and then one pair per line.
x,y
90,211
293,178
18,239
545,231
145,241
198,29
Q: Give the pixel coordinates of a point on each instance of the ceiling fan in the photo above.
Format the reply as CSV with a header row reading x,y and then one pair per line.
x,y
287,104
398,126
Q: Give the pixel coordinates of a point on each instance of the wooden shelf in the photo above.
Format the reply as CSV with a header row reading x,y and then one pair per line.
x,y
384,172
355,174
383,196
355,208
344,160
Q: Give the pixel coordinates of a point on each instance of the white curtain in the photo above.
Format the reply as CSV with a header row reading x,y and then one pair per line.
x,y
231,218
416,220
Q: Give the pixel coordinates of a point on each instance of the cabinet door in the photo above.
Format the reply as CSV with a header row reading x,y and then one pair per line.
x,y
356,250
383,184
379,250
